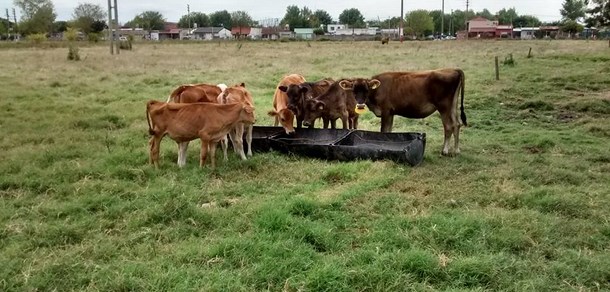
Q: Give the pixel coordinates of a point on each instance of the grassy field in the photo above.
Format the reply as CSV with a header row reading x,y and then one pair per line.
x,y
525,207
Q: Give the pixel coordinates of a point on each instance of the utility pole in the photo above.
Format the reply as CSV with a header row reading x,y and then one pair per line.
x,y
443,19
110,28
466,19
402,20
116,22
451,23
8,29
188,15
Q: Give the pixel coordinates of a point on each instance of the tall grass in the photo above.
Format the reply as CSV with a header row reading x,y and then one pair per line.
x,y
523,208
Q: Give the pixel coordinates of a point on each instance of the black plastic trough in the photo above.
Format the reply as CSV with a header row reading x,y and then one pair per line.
x,y
260,137
309,142
400,147
343,145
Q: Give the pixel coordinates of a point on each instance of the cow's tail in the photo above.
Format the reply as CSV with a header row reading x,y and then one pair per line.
x,y
150,125
461,88
172,96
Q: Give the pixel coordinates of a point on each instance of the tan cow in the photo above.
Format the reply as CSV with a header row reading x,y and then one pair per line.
x,y
238,94
190,93
185,122
282,114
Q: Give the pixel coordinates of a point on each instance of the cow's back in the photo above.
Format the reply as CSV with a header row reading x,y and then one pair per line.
x,y
280,99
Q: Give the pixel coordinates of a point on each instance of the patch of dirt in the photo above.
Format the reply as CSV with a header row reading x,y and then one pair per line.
x,y
533,149
566,116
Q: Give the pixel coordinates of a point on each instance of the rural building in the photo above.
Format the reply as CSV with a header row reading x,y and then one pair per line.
x,y
208,33
256,33
357,31
304,33
172,32
526,33
137,33
270,33
481,27
331,28
286,34
239,32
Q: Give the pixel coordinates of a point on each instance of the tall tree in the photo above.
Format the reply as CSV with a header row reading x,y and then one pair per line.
x,y
599,13
573,10
86,14
221,18
393,22
323,17
294,17
436,17
242,19
148,20
526,21
60,26
199,18
419,22
486,14
459,18
37,16
507,16
352,17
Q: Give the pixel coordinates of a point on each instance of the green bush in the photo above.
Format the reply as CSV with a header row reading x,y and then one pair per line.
x,y
71,34
73,54
93,37
37,38
125,45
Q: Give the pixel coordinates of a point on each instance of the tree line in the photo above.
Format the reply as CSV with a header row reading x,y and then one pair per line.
x,y
38,16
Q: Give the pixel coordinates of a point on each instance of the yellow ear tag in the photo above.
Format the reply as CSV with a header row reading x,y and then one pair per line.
x,y
360,111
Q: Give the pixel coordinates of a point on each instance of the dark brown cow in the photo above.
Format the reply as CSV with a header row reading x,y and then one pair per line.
x,y
280,112
385,40
184,122
413,95
331,105
299,93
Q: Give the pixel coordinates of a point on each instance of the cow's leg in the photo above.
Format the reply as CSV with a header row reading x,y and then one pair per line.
x,y
182,147
448,129
213,146
325,123
333,123
355,123
386,123
456,137
345,120
204,152
299,122
224,145
237,137
249,138
154,143
276,121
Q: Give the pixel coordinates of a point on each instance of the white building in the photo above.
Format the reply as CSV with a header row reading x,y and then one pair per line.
x,y
332,28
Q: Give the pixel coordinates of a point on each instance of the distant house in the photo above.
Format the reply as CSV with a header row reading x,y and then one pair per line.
x,y
136,33
171,31
481,27
304,33
270,33
526,33
332,28
208,33
256,33
357,31
240,31
286,34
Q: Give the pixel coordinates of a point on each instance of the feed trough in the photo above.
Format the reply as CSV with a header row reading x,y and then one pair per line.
x,y
309,142
400,147
260,137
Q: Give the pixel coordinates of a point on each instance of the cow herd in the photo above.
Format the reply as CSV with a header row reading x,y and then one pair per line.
x,y
214,112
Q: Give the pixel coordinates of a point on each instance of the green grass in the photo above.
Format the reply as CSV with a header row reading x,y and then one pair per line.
x,y
523,208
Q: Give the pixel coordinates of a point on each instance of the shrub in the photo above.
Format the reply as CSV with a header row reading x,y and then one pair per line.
x,y
71,34
509,61
93,37
73,54
37,38
125,45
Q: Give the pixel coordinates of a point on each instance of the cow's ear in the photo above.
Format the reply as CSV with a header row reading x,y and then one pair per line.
x,y
346,84
242,84
303,89
282,88
272,113
320,105
373,84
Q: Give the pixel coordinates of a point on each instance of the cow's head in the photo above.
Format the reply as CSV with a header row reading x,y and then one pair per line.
x,y
296,94
286,118
361,88
313,109
247,114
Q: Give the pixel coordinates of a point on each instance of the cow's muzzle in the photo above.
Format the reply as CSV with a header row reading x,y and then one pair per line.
x,y
360,106
306,123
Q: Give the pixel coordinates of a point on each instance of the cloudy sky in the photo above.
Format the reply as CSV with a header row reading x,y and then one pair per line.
x,y
545,10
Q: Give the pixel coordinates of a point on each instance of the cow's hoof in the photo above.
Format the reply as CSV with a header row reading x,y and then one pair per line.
x,y
445,153
456,152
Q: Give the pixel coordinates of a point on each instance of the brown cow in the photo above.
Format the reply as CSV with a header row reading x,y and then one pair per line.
x,y
191,93
185,122
413,95
282,114
333,104
238,94
385,40
299,93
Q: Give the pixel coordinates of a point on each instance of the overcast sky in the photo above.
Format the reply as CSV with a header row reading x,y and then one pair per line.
x,y
545,10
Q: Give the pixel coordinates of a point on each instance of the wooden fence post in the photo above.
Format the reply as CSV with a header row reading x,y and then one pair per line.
x,y
529,54
497,69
